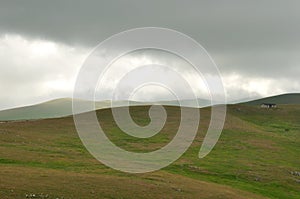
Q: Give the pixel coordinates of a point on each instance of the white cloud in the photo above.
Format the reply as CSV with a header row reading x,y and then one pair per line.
x,y
34,70
242,87
160,66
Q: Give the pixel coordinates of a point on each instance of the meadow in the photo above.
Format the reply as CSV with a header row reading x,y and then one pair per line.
x,y
257,156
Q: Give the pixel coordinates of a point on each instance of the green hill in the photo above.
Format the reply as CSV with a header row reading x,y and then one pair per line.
x,y
256,157
50,109
291,98
63,107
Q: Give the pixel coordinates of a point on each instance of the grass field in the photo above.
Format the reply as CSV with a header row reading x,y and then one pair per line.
x,y
256,157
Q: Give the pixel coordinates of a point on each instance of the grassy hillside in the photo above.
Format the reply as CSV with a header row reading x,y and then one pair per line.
x,y
63,107
51,109
256,157
291,98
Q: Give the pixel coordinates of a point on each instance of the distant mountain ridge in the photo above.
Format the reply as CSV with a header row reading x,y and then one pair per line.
x,y
51,109
63,107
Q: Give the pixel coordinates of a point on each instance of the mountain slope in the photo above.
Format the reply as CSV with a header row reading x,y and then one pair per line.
x,y
50,109
256,156
291,98
63,107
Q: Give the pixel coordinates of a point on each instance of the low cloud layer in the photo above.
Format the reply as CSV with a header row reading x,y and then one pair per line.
x,y
43,44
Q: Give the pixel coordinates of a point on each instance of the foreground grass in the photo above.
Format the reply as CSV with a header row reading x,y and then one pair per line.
x,y
254,158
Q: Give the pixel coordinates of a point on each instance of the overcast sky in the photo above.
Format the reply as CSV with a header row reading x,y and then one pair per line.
x,y
43,44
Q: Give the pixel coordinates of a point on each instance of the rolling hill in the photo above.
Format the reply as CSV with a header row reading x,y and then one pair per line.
x,y
256,157
50,109
291,98
63,107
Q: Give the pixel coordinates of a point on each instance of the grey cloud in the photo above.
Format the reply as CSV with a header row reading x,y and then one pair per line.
x,y
256,39
264,64
218,25
246,30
